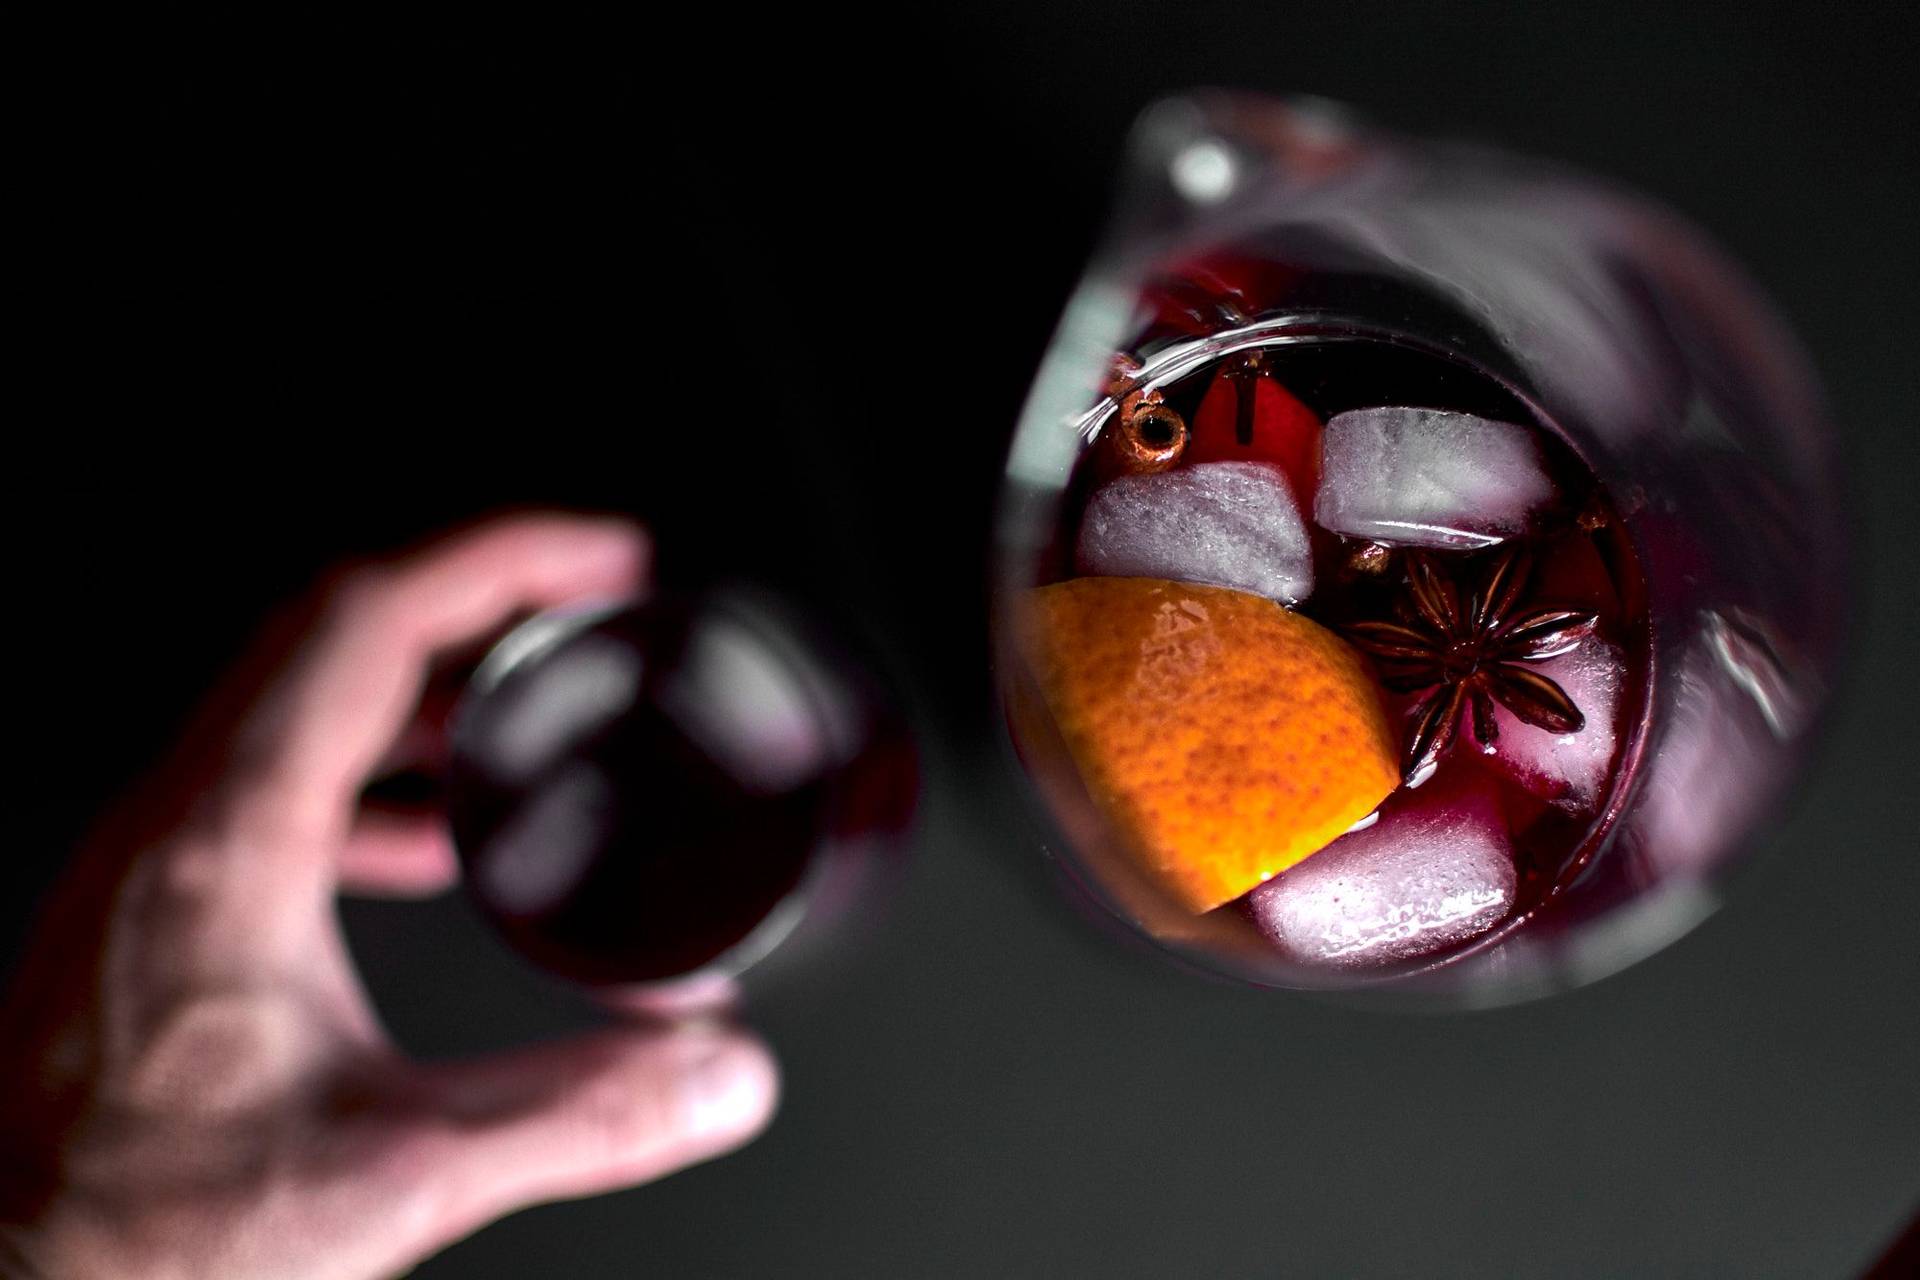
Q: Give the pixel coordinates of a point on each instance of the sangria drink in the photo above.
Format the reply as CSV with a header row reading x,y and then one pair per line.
x,y
669,792
1348,642
1417,564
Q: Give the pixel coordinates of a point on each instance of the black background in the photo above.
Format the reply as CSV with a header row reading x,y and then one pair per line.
x,y
778,286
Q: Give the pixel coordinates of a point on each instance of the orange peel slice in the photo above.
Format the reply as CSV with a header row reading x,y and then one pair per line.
x,y
1226,737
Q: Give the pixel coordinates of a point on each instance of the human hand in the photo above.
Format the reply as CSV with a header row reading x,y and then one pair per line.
x,y
194,1082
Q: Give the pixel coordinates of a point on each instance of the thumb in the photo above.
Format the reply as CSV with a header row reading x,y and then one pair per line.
x,y
609,1110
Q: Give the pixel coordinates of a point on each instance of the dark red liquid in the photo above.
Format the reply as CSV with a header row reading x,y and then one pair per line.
x,y
1581,556
669,817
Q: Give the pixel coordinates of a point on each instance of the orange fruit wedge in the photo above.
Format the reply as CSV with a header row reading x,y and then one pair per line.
x,y
1225,737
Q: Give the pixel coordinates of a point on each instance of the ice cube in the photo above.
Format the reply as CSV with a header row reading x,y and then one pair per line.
x,y
1230,524
1567,768
558,697
1429,478
545,848
1436,869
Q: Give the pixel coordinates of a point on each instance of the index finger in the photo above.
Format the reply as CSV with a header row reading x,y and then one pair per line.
x,y
351,687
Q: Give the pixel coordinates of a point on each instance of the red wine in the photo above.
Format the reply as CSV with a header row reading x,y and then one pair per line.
x,y
1414,506
651,792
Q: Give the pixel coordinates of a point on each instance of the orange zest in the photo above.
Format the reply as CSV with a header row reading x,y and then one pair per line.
x,y
1225,737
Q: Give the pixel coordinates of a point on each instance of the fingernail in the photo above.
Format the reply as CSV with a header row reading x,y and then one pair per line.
x,y
726,1090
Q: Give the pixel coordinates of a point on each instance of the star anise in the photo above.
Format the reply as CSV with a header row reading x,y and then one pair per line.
x,y
1468,649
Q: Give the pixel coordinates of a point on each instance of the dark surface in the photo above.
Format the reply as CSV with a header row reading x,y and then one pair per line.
x,y
781,291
